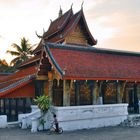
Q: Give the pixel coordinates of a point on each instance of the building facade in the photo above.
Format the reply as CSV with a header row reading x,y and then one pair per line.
x,y
67,67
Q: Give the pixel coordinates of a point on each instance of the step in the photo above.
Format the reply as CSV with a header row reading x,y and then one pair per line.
x,y
13,124
133,116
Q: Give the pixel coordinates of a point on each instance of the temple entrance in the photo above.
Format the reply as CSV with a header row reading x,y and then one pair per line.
x,y
39,87
57,92
132,102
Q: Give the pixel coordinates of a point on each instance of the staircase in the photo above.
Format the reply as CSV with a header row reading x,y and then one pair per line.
x,y
32,120
132,121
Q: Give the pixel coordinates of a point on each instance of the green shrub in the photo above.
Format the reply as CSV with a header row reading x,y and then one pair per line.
x,y
43,103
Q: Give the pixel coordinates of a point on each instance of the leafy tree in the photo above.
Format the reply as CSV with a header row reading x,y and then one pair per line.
x,y
22,52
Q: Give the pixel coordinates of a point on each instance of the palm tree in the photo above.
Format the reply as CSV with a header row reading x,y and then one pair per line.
x,y
22,52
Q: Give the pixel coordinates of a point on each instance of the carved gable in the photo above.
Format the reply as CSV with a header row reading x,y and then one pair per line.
x,y
77,36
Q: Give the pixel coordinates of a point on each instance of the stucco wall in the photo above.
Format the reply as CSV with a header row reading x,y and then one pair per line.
x,y
79,117
3,121
92,116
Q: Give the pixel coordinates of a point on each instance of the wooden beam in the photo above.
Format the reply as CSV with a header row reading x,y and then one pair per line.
x,y
100,93
45,87
95,93
118,90
50,90
66,93
77,93
42,77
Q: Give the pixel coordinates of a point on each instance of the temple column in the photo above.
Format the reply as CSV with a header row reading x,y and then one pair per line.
x,y
94,93
50,90
100,93
118,90
77,93
45,88
66,93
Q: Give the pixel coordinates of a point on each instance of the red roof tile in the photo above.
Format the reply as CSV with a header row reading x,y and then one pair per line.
x,y
17,79
59,23
3,75
31,60
80,63
63,26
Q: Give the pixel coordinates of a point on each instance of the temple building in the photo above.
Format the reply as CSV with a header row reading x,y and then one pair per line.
x,y
72,71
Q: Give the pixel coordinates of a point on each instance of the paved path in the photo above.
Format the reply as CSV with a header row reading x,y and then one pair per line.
x,y
111,133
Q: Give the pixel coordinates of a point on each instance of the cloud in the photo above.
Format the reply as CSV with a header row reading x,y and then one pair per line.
x,y
116,24
1,37
107,7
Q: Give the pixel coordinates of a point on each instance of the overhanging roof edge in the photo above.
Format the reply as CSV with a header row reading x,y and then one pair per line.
x,y
53,61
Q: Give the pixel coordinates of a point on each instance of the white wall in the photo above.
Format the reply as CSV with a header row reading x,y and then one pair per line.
x,y
79,117
3,121
92,116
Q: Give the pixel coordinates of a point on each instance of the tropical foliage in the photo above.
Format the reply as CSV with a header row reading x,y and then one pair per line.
x,y
43,103
5,68
22,52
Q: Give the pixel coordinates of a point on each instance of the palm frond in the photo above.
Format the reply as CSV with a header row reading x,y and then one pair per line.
x,y
23,52
25,44
15,61
14,53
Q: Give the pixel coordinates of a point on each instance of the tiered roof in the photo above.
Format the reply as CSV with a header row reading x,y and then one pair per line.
x,y
64,25
73,62
58,24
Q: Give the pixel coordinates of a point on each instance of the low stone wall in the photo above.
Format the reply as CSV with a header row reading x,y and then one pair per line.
x,y
26,119
92,116
3,121
33,119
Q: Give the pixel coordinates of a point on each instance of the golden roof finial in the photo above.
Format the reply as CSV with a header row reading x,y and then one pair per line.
x,y
60,12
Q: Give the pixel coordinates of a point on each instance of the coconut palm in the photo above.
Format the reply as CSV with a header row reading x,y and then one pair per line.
x,y
22,52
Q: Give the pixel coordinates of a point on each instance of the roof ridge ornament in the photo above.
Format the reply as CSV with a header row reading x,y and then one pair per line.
x,y
43,31
41,37
82,5
60,12
71,5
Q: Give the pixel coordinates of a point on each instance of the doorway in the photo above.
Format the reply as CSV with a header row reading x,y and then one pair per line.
x,y
133,102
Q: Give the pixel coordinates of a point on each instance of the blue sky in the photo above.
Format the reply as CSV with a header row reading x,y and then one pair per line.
x,y
114,23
